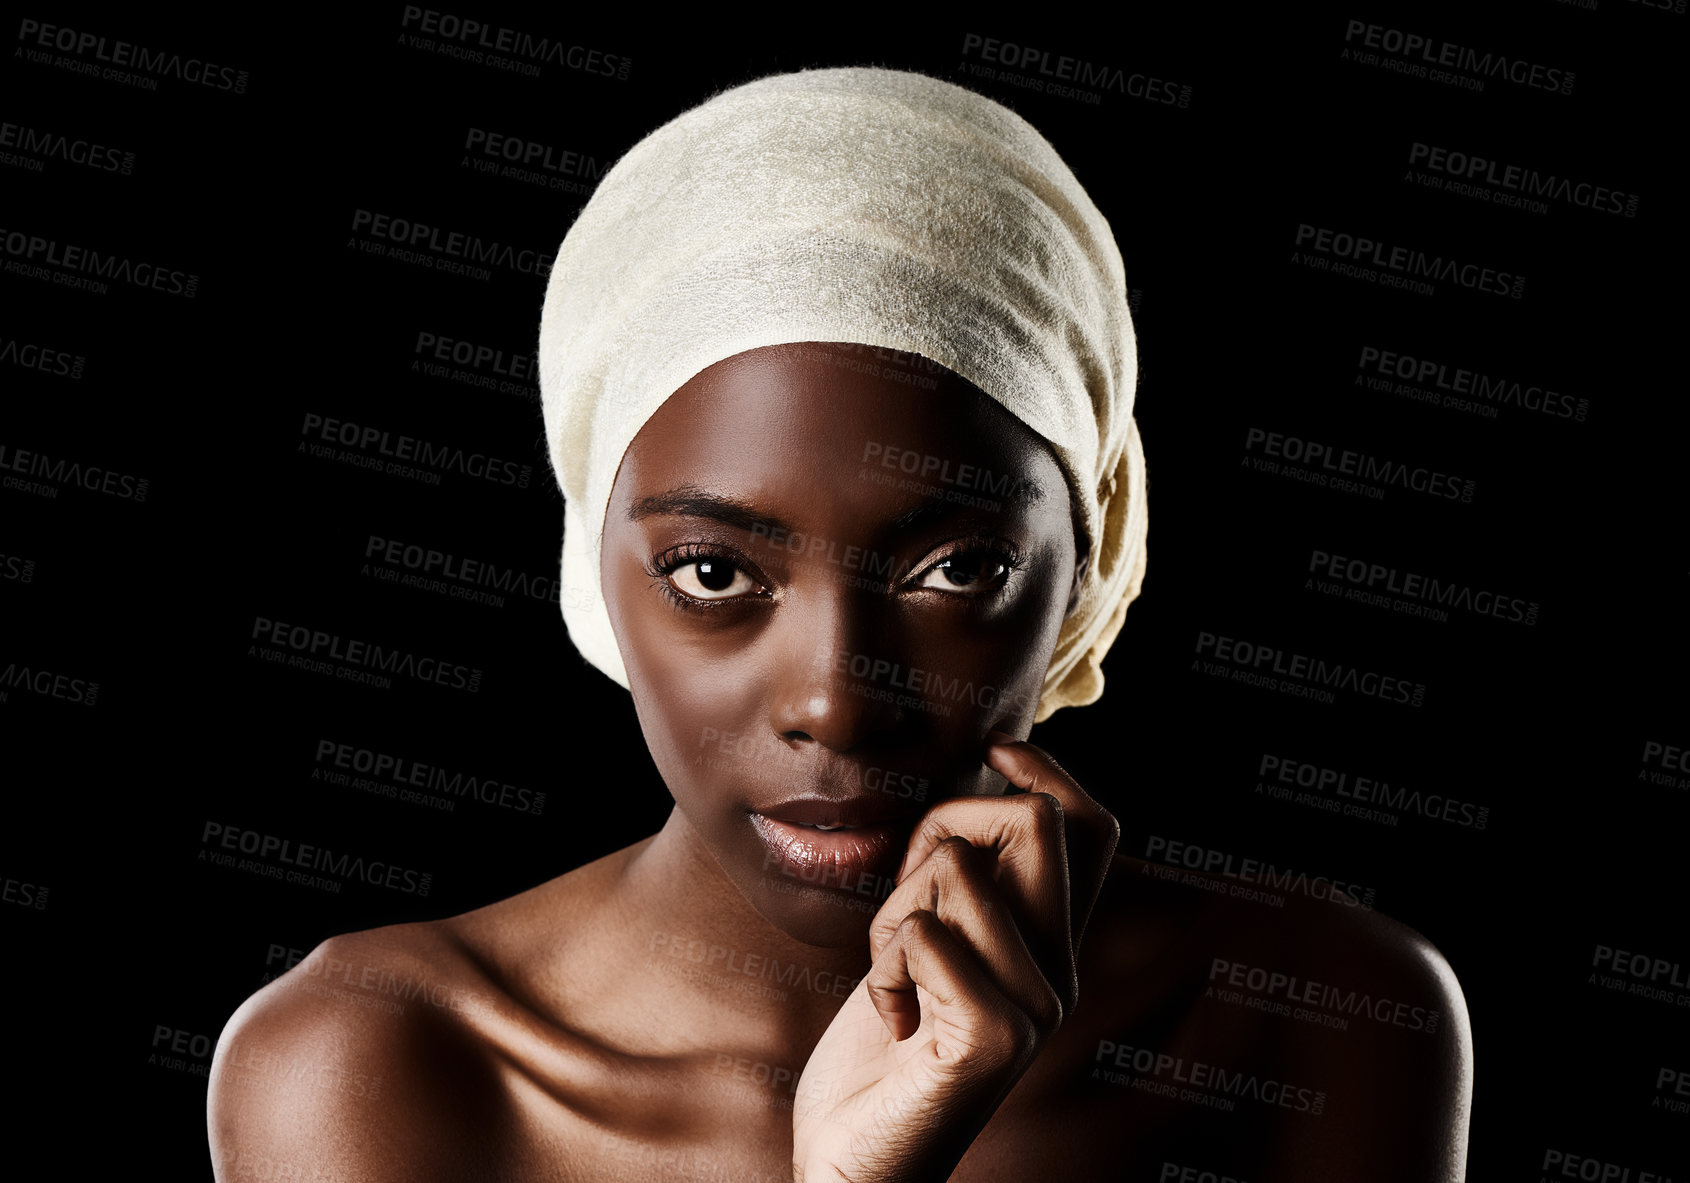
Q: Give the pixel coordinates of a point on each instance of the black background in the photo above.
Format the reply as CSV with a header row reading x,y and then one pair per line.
x,y
255,193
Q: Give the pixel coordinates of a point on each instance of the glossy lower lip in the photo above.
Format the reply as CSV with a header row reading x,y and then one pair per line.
x,y
834,858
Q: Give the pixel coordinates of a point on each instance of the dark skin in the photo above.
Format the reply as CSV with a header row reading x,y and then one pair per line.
x,y
1010,1000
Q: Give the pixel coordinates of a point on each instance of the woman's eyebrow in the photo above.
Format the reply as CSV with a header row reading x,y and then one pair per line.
x,y
693,502
1022,491
690,501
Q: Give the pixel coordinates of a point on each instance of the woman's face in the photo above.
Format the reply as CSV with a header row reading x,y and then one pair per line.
x,y
831,570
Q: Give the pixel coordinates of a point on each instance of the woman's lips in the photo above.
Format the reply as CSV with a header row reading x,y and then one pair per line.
x,y
855,858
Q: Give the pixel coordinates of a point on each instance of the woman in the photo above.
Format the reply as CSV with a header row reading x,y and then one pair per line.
x,y
838,378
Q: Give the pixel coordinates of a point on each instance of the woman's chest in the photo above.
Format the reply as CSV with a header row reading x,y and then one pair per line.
x,y
1090,1107
1150,1077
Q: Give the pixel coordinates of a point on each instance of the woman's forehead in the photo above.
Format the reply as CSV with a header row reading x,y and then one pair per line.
x,y
825,411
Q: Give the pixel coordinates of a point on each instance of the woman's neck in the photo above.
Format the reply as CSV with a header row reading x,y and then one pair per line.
x,y
688,925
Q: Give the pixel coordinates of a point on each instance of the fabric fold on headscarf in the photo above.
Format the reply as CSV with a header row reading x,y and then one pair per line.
x,y
861,205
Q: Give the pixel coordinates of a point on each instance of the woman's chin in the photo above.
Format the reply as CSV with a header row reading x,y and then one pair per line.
x,y
823,917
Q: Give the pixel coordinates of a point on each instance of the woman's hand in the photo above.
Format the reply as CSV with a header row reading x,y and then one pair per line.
x,y
974,968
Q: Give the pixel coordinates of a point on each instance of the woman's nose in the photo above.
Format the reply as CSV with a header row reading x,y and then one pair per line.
x,y
838,674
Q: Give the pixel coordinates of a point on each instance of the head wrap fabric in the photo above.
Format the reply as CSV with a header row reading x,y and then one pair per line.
x,y
861,205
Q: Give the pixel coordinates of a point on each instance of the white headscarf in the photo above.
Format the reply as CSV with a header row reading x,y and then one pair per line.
x,y
861,205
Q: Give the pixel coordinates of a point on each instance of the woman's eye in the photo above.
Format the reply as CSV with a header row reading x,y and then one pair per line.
x,y
971,571
712,579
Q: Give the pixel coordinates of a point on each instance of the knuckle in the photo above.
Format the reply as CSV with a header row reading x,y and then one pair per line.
x,y
1010,1033
930,829
1111,824
1047,1012
920,925
1045,808
881,931
953,854
1042,811
1042,805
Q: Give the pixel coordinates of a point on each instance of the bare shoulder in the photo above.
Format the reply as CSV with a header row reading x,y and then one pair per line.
x,y
361,1062
409,1052
1300,990
1312,925
1380,1016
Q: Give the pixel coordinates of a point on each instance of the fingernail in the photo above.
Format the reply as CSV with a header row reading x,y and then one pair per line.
x,y
996,736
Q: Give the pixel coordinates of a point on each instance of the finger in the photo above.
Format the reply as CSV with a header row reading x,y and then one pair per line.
x,y
1026,834
956,884
1092,832
978,1023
